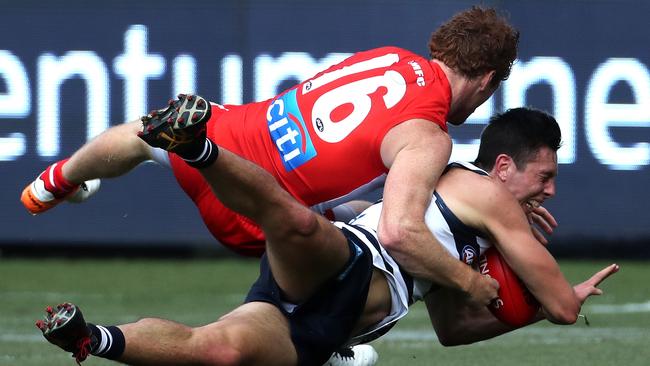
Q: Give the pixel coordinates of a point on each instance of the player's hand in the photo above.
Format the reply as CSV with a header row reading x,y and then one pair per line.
x,y
541,218
483,289
590,287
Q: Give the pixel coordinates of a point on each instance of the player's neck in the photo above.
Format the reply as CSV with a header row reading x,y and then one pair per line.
x,y
462,88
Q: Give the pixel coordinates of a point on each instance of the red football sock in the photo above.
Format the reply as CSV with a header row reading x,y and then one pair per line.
x,y
54,181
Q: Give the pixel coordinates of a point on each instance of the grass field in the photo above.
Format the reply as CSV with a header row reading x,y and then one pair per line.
x,y
196,292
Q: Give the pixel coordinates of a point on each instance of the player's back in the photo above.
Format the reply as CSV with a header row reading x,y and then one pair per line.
x,y
322,138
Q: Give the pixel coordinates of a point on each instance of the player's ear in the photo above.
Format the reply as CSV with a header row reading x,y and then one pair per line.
x,y
487,79
503,165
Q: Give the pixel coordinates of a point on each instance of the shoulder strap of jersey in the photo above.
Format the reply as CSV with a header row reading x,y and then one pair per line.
x,y
465,165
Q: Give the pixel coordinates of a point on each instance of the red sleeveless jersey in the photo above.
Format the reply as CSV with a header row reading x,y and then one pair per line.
x,y
321,139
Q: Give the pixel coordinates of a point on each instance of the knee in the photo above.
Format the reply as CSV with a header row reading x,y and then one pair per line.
x,y
294,220
207,345
223,356
301,222
217,349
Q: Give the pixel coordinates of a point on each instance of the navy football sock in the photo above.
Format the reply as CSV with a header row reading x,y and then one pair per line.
x,y
203,157
107,342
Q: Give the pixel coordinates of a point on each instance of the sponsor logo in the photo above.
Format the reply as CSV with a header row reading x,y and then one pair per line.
x,y
288,132
483,266
483,263
468,254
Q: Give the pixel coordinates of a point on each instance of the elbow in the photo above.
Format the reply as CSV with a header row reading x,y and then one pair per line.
x,y
389,238
452,318
392,239
563,319
447,340
394,233
454,337
564,315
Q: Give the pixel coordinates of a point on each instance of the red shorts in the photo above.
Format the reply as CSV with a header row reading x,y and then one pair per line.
x,y
236,232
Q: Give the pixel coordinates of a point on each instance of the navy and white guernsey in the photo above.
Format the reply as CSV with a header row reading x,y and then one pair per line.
x,y
460,240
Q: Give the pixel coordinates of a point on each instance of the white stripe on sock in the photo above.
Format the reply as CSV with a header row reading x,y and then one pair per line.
x,y
103,341
110,341
209,143
107,341
51,175
207,149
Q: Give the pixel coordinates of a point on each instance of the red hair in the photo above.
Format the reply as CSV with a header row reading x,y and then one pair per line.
x,y
475,42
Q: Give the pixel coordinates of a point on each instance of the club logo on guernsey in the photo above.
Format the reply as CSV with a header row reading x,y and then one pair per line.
x,y
288,131
418,72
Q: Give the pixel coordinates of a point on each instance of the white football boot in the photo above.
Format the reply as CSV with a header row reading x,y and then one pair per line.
x,y
85,191
37,199
359,355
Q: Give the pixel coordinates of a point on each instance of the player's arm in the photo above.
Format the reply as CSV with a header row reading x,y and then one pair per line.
x,y
504,219
458,321
416,152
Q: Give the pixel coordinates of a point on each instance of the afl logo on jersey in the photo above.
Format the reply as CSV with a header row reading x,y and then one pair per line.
x,y
288,131
468,254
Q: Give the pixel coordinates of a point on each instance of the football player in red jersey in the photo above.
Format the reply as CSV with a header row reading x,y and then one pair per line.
x,y
378,118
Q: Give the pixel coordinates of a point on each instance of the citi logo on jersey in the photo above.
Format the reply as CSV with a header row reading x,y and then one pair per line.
x,y
288,131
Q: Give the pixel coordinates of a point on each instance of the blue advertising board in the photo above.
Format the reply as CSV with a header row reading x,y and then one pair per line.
x,y
71,69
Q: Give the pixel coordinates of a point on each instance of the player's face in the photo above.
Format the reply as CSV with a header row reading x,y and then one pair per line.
x,y
536,182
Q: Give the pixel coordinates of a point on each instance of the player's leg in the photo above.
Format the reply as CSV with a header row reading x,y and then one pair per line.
x,y
240,337
112,153
304,249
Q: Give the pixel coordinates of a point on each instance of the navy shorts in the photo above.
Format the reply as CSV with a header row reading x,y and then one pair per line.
x,y
323,323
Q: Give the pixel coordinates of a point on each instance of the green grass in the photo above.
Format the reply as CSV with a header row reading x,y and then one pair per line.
x,y
198,292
